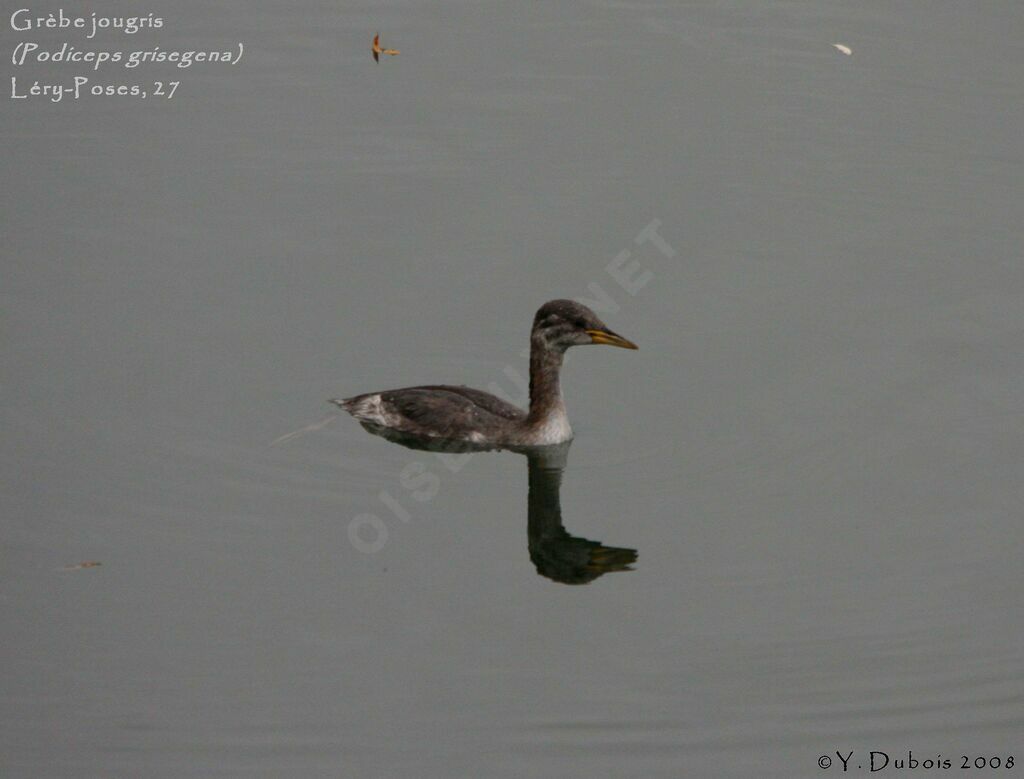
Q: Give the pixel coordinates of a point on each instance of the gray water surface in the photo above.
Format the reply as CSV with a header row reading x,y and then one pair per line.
x,y
816,454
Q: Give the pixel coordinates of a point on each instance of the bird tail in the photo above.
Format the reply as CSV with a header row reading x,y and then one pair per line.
x,y
366,408
352,405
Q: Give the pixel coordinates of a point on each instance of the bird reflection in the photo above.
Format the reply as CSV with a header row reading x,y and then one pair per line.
x,y
556,554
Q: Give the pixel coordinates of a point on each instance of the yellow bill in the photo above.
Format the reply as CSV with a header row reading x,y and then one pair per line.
x,y
610,338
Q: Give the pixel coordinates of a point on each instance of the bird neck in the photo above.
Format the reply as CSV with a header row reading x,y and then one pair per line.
x,y
545,390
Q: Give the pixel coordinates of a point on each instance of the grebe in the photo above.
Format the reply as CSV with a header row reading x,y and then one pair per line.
x,y
464,414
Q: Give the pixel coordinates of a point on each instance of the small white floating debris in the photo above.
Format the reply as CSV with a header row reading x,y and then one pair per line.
x,y
842,47
303,430
80,566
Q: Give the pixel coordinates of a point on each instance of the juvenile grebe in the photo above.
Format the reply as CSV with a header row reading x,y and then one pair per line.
x,y
464,414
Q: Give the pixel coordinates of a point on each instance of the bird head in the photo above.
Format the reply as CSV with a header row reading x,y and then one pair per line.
x,y
560,324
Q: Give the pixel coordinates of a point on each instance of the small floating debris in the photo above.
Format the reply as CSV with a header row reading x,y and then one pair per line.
x,y
303,430
843,48
377,50
80,566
